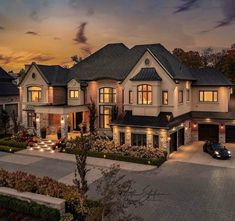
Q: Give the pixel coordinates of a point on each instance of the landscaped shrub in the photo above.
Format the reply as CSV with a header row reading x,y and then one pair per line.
x,y
104,147
29,208
13,143
9,149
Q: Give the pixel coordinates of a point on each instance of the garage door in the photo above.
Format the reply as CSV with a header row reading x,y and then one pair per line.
x,y
181,137
230,134
173,142
208,132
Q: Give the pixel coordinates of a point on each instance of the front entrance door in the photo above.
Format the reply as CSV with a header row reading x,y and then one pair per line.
x,y
77,120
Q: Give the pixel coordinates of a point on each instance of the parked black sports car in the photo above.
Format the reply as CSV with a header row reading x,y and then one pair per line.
x,y
216,150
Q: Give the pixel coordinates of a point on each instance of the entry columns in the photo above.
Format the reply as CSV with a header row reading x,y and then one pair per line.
x,y
64,125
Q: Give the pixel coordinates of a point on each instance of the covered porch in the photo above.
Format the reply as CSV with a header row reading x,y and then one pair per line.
x,y
61,119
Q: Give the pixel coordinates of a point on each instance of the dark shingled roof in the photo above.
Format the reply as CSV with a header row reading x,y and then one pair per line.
x,y
209,77
7,88
147,74
115,61
55,75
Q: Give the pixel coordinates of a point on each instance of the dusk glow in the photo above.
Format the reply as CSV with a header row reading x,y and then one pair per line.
x,y
50,32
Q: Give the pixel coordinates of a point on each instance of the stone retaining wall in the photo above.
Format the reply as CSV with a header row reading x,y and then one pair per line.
x,y
48,201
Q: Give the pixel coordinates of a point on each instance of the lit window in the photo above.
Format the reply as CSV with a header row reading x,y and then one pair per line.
x,y
181,96
34,94
130,97
144,94
107,95
208,96
73,94
165,97
105,116
188,95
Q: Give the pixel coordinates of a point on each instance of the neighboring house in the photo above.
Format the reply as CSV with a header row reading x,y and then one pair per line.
x,y
161,102
9,95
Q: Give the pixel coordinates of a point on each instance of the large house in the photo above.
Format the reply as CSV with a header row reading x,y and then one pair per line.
x,y
161,102
9,95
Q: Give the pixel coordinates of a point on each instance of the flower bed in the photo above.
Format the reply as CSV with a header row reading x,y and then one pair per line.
x,y
105,148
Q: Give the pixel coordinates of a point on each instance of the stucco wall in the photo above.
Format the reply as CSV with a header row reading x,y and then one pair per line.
x,y
220,106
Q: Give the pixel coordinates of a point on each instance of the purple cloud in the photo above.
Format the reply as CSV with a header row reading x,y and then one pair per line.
x,y
80,37
186,5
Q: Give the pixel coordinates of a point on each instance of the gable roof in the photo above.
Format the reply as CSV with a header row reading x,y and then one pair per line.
x,y
147,74
7,88
115,61
209,77
4,75
55,75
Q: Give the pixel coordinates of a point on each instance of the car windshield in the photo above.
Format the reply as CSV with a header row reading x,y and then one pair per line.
x,y
217,146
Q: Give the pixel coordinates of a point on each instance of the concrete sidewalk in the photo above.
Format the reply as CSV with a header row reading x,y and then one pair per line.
x,y
91,161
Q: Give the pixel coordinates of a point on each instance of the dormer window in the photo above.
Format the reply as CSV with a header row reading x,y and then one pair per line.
x,y
144,94
34,94
73,94
107,95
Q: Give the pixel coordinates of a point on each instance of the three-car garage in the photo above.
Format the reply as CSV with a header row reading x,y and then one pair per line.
x,y
208,132
230,134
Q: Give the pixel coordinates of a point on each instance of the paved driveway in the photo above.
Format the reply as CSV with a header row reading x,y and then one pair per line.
x,y
193,153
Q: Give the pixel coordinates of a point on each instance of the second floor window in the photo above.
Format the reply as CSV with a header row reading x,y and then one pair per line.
x,y
34,94
208,96
188,95
130,97
107,95
181,97
73,94
144,94
165,97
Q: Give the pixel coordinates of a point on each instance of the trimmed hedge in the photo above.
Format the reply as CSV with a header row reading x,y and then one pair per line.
x,y
113,156
12,143
9,149
29,208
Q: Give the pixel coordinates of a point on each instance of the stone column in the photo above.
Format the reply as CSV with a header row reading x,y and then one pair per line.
x,y
38,124
64,125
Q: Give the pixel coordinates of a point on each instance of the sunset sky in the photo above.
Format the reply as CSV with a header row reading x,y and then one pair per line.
x,y
50,31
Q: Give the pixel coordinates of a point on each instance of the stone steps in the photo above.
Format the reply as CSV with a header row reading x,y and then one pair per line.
x,y
43,145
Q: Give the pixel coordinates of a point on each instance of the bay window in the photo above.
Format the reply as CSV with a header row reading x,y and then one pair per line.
x,y
107,95
165,97
144,94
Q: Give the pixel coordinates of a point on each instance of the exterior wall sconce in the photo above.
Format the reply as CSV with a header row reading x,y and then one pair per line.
x,y
62,120
168,138
222,126
195,125
186,128
173,129
37,119
182,125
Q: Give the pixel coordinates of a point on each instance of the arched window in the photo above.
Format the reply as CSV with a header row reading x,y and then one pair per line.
x,y
34,94
144,94
107,95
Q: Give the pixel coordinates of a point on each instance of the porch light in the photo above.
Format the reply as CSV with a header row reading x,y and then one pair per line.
x,y
173,129
194,125
186,128
62,120
182,125
168,138
37,119
221,126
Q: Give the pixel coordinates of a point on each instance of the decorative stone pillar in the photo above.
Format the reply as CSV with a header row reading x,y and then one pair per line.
x,y
64,125
163,140
149,137
116,137
38,124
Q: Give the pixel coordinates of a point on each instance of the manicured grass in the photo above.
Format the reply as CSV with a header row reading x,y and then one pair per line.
x,y
9,149
12,143
113,156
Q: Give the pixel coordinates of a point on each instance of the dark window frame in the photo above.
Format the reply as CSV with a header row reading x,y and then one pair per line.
x,y
188,95
31,119
138,139
102,115
122,138
213,95
155,138
142,92
181,96
29,94
163,92
112,95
